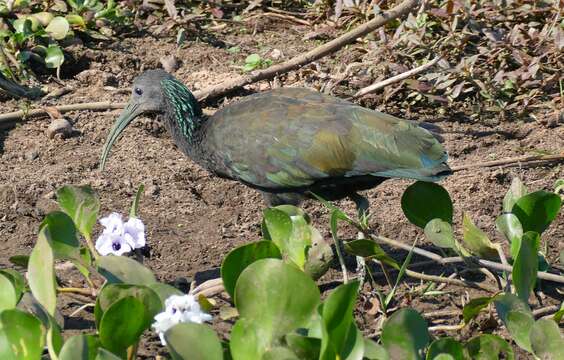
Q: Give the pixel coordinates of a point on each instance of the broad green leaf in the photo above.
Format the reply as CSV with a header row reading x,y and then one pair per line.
x,y
135,205
319,255
189,341
337,318
21,336
299,241
121,269
19,260
122,324
8,294
76,20
517,318
53,338
558,315
58,28
537,210
447,346
104,354
17,280
280,353
425,201
440,233
526,264
405,334
54,57
253,59
164,291
304,347
266,299
369,249
292,210
489,347
546,340
474,306
63,235
510,226
237,260
278,226
476,240
111,293
41,272
80,347
515,192
82,205
373,351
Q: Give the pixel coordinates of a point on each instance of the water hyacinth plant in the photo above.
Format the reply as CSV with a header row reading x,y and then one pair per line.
x,y
118,237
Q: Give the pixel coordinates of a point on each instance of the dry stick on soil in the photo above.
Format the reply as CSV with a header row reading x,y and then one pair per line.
x,y
515,161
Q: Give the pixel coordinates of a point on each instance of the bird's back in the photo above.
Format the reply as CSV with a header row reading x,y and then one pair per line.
x,y
293,138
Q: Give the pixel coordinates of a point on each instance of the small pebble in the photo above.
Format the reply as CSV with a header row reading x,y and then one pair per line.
x,y
31,155
60,126
170,63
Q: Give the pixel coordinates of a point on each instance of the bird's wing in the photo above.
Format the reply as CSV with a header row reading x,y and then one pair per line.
x,y
292,138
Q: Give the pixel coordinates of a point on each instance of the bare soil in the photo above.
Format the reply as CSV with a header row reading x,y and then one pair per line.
x,y
193,219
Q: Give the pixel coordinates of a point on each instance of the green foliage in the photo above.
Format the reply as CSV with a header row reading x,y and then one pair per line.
x,y
526,265
405,334
80,347
118,269
476,240
254,62
193,341
21,335
537,210
122,324
510,226
425,201
546,340
41,271
82,205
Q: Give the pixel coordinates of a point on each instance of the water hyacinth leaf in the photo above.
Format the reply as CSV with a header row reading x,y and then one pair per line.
x,y
305,347
319,255
369,249
474,306
41,272
19,260
21,336
489,347
537,210
337,318
54,57
247,341
53,338
374,351
135,205
76,20
425,201
510,226
292,210
122,324
278,227
439,232
121,269
405,334
445,346
526,264
63,235
8,294
558,315
280,353
58,28
190,341
517,318
476,240
546,340
82,205
516,191
299,241
111,293
104,354
238,259
17,280
80,347
164,291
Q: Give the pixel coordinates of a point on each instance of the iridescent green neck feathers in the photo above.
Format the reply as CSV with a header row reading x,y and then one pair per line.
x,y
182,107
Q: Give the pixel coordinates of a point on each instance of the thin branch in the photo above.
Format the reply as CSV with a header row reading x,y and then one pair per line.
x,y
521,161
81,291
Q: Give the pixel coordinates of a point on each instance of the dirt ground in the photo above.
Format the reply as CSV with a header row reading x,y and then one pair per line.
x,y
193,219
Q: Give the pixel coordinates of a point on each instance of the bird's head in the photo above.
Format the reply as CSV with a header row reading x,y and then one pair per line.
x,y
156,92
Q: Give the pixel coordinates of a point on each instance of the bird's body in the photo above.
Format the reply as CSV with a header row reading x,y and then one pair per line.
x,y
289,143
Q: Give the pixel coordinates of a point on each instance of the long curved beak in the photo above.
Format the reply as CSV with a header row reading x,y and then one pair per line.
x,y
130,112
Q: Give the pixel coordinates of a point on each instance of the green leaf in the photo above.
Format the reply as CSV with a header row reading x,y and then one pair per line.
x,y
517,318
189,341
526,264
237,260
17,280
19,260
515,192
104,354
337,318
121,269
253,59
510,226
278,226
122,324
54,57
439,232
53,338
112,293
135,205
266,299
58,28
63,235
319,255
489,347
304,347
41,272
474,306
476,240
82,205
279,353
537,210
299,241
21,336
373,351
447,346
546,340
76,20
558,315
369,249
405,334
8,294
424,201
164,291
80,347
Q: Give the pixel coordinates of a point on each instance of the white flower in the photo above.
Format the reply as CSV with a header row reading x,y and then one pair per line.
x,y
179,309
118,237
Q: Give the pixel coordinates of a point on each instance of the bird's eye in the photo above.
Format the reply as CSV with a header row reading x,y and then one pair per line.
x,y
138,91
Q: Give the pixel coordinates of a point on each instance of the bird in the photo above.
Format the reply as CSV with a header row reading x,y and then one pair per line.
x,y
290,144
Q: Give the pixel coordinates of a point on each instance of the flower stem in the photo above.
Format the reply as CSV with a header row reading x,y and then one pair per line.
x,y
91,247
82,291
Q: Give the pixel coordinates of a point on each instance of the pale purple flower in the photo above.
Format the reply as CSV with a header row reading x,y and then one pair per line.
x,y
118,237
178,309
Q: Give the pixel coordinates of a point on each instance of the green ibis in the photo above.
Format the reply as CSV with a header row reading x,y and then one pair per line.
x,y
289,143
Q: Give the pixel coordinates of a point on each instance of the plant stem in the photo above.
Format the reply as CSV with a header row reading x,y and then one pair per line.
x,y
82,291
91,247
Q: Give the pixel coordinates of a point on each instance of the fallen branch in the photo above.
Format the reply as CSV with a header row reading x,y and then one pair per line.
x,y
522,161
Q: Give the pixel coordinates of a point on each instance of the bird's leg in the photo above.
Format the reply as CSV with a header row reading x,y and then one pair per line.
x,y
362,206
